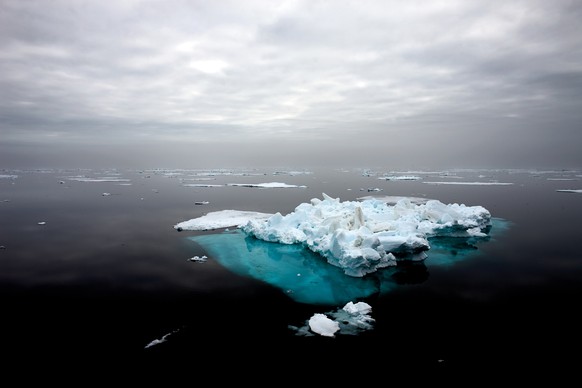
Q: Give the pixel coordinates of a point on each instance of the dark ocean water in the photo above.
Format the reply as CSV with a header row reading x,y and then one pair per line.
x,y
91,272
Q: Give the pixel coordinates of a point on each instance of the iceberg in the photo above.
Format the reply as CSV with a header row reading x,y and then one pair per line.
x,y
363,236
451,232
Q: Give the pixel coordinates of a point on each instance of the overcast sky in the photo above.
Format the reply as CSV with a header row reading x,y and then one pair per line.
x,y
189,83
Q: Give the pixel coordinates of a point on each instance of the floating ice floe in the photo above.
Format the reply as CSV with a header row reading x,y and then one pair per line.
x,y
100,179
358,236
400,178
321,324
352,319
371,189
304,274
198,259
160,340
220,219
200,185
471,183
362,236
269,185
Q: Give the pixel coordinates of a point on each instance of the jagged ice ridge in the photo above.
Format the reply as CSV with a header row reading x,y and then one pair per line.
x,y
363,236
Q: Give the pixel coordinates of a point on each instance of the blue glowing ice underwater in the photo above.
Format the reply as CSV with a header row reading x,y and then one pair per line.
x,y
307,277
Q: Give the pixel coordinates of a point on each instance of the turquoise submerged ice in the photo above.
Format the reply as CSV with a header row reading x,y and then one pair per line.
x,y
361,237
380,245
301,274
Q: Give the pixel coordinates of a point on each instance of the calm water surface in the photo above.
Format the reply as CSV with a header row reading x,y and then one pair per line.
x,y
91,272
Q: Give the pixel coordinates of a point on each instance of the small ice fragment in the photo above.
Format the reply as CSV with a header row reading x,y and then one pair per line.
x,y
201,203
42,222
357,308
155,342
198,259
160,340
106,194
321,324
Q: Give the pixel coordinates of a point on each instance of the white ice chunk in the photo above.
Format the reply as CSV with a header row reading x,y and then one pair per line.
x,y
358,308
221,219
352,319
266,185
363,236
321,324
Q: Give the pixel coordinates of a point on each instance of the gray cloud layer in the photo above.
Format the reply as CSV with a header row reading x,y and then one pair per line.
x,y
384,82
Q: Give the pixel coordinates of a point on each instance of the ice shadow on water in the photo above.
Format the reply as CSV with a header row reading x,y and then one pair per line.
x,y
306,277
